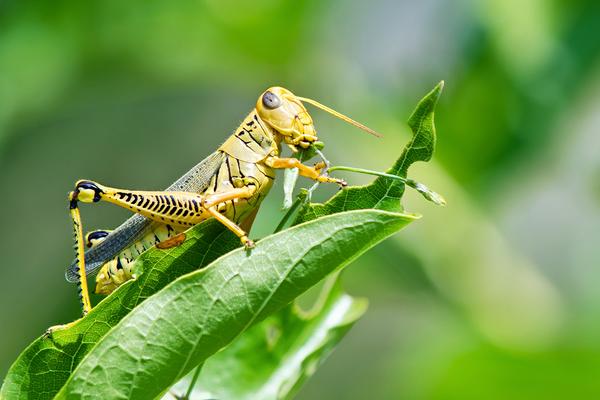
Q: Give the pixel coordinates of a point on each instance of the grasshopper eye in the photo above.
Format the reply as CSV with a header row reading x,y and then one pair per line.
x,y
271,101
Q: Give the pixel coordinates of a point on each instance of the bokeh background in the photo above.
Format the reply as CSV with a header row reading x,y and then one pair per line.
x,y
495,296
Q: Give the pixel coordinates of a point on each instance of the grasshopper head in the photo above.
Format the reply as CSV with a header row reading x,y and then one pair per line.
x,y
285,113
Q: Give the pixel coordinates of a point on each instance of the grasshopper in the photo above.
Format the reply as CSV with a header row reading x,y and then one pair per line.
x,y
228,185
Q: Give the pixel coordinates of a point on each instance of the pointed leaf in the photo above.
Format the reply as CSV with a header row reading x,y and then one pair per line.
x,y
182,325
43,367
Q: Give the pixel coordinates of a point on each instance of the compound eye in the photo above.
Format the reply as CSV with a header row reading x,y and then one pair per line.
x,y
271,101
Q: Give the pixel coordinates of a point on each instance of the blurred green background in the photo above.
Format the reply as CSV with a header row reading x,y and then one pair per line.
x,y
494,296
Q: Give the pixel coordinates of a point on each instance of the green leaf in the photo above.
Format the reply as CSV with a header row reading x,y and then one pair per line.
x,y
272,359
385,193
178,328
245,369
43,368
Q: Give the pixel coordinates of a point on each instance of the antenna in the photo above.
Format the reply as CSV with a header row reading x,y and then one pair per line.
x,y
340,116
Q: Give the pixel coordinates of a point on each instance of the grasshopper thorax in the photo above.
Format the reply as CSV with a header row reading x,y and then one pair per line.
x,y
286,114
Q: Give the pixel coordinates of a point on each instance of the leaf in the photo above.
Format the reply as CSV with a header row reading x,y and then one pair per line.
x,y
272,359
245,369
42,369
290,176
420,148
385,193
198,314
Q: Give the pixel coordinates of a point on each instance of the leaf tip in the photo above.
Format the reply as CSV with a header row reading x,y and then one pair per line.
x,y
435,93
425,107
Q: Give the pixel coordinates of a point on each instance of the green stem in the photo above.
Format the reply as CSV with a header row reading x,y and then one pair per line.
x,y
369,172
419,187
193,382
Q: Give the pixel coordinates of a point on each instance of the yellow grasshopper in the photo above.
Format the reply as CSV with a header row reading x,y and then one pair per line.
x,y
228,185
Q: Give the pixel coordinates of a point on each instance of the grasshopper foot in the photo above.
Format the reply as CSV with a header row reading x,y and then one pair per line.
x,y
319,166
328,179
248,243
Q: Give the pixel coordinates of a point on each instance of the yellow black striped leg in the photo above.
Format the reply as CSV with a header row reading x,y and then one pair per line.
x,y
182,208
229,224
211,201
84,296
80,253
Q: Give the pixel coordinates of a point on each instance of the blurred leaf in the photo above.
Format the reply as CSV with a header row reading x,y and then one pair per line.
x,y
274,358
198,314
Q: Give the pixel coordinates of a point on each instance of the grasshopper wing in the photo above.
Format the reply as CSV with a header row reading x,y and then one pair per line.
x,y
195,180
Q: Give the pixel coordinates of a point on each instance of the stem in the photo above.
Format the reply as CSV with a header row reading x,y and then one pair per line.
x,y
370,172
188,393
419,187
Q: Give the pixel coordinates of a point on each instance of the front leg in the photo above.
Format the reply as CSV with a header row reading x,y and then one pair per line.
x,y
304,170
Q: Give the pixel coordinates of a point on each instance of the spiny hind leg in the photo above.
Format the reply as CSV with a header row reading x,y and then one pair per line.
x,y
82,285
182,208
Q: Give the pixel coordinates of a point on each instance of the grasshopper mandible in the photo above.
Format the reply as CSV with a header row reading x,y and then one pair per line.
x,y
228,185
